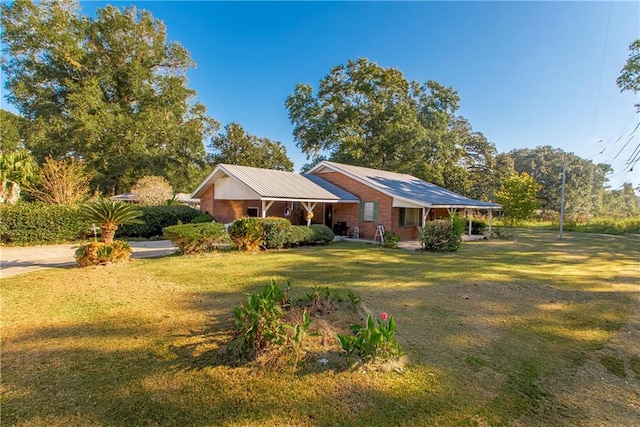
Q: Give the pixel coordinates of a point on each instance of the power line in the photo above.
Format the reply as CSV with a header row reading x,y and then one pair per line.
x,y
604,54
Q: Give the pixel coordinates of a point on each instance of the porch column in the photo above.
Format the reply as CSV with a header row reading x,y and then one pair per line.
x,y
425,212
309,208
265,207
470,217
490,217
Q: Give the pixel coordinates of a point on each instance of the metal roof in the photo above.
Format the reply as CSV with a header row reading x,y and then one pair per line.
x,y
345,196
270,184
405,187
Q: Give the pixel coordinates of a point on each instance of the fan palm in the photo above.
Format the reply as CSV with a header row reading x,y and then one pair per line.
x,y
110,214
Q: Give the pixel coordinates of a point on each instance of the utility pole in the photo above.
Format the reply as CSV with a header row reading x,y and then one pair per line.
x,y
564,174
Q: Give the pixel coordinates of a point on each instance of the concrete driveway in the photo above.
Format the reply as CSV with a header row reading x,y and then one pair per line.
x,y
18,260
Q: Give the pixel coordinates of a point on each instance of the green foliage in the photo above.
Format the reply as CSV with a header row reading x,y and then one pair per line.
x,y
391,239
367,115
196,238
502,233
630,75
17,170
234,146
518,196
156,218
12,134
201,218
109,214
604,225
37,223
442,235
322,299
478,226
322,233
257,322
96,253
275,232
247,233
299,235
61,182
109,88
373,341
354,298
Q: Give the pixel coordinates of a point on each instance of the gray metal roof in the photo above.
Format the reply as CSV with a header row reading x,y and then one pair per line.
x,y
271,184
406,187
345,196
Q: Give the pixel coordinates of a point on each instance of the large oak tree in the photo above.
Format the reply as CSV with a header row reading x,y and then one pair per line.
x,y
110,91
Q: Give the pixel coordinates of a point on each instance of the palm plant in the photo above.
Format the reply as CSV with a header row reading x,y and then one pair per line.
x,y
110,214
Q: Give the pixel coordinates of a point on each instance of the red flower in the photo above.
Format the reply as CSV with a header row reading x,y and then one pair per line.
x,y
384,316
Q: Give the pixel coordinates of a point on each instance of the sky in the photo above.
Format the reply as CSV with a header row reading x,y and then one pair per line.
x,y
528,73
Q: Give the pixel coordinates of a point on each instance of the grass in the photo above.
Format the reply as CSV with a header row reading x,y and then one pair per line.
x,y
488,332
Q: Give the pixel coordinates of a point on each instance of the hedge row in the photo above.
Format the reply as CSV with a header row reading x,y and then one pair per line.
x,y
156,218
251,234
195,238
38,223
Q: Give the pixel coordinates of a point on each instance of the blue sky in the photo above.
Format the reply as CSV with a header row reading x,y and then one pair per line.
x,y
528,73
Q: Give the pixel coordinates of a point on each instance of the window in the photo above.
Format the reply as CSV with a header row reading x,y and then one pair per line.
x,y
368,211
409,216
253,212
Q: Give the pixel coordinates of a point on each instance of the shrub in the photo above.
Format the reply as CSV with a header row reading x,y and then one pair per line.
x,y
152,190
156,218
374,340
478,226
96,253
502,233
202,218
322,233
275,232
391,239
300,235
442,235
39,223
195,238
247,233
258,323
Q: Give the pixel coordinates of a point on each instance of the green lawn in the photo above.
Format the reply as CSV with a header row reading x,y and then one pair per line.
x,y
528,332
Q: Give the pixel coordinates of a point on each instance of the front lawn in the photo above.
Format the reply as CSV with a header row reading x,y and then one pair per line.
x,y
529,332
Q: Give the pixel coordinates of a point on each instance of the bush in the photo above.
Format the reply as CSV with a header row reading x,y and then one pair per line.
x,y
195,238
275,232
322,233
374,340
442,235
505,233
39,223
202,218
96,253
247,233
478,226
391,239
156,218
300,235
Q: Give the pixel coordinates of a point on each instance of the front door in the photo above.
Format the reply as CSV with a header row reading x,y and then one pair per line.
x,y
328,216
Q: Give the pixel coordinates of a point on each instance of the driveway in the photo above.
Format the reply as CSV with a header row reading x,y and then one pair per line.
x,y
18,260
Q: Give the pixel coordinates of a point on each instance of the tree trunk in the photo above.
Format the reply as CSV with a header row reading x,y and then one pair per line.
x,y
108,231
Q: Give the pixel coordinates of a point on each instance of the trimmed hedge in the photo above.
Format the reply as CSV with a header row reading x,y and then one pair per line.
x,y
247,233
195,238
299,235
38,223
156,218
275,232
322,233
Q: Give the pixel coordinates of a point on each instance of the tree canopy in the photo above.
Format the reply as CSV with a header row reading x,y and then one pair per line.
x,y
518,196
109,90
235,146
368,115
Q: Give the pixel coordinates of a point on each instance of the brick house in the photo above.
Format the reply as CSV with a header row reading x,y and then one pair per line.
x,y
343,197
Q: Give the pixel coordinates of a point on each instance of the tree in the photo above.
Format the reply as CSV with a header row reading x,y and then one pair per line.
x,y
11,131
109,90
622,203
235,146
110,214
61,182
17,170
152,190
367,115
585,181
630,80
518,196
